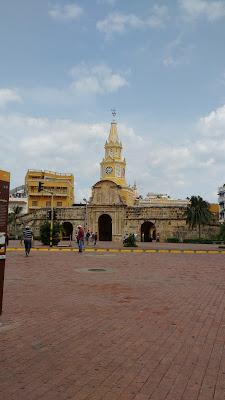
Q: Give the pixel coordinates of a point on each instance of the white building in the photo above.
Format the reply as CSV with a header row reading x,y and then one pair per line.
x,y
161,200
221,200
18,197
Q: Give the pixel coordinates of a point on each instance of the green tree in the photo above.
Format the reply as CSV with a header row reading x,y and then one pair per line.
x,y
12,218
198,213
222,232
45,233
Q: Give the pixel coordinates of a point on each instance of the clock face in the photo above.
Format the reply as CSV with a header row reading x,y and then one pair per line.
x,y
108,170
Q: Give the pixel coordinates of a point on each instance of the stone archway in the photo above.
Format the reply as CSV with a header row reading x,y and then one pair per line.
x,y
148,232
67,230
105,227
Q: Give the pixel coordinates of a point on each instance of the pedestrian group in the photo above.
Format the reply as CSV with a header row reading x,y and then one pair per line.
x,y
88,237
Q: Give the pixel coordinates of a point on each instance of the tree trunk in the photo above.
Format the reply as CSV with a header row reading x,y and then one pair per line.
x,y
199,231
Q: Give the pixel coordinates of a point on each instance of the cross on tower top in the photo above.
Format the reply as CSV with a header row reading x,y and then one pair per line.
x,y
113,113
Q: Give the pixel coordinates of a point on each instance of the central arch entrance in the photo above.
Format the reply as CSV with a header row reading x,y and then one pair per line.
x,y
67,230
105,227
148,232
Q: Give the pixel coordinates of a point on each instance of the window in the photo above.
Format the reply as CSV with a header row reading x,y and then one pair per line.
x,y
34,203
59,203
48,203
118,170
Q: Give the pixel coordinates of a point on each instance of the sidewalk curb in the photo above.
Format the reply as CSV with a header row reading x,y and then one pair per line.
x,y
136,251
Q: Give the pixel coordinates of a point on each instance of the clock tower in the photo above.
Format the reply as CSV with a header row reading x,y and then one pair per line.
x,y
113,164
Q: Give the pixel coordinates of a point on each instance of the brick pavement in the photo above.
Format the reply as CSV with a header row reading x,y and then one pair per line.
x,y
118,245
149,327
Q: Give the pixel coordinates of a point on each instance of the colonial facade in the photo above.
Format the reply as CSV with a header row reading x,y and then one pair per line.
x,y
114,208
62,185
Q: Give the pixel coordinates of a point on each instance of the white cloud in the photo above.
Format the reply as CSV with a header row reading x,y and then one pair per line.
x,y
171,61
212,10
8,96
158,17
65,13
86,81
53,144
213,125
110,2
120,23
177,53
182,168
98,79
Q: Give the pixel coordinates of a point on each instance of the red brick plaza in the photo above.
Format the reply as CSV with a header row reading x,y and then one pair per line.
x,y
113,326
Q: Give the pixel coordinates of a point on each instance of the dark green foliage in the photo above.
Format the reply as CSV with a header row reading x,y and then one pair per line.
x,y
172,240
198,213
199,241
222,232
130,241
45,233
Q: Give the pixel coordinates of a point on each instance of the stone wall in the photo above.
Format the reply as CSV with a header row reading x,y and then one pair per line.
x,y
74,215
168,221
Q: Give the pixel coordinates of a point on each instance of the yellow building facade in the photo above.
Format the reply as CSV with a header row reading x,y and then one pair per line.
x,y
61,185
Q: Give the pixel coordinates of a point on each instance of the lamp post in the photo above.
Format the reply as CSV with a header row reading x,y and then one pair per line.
x,y
41,189
51,224
85,222
52,216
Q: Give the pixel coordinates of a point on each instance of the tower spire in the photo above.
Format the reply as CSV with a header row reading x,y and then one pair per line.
x,y
113,134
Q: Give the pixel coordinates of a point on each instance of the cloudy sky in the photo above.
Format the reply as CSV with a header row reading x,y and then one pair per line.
x,y
65,64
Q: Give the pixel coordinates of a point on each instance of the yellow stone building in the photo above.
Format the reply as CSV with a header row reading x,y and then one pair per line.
x,y
113,166
61,185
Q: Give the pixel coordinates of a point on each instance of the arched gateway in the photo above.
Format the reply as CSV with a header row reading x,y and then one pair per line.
x,y
67,230
105,227
148,232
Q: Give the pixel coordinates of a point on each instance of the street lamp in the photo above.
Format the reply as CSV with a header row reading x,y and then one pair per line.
x,y
85,223
41,189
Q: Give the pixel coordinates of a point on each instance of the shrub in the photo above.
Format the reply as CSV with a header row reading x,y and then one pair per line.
x,y
130,241
222,232
198,241
45,233
172,240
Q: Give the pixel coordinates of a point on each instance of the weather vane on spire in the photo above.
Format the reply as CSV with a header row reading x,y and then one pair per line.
x,y
113,113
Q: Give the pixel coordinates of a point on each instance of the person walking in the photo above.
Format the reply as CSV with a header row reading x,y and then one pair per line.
x,y
95,238
27,238
125,238
80,238
6,239
87,237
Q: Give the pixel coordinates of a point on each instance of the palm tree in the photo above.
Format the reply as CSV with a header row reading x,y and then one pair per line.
x,y
16,211
198,213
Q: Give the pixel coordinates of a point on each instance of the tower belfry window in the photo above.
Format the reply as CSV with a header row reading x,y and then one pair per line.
x,y
118,170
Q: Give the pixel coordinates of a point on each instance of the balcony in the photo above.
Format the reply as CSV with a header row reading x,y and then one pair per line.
x,y
45,194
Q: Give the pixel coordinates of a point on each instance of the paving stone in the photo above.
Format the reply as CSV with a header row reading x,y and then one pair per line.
x,y
142,326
